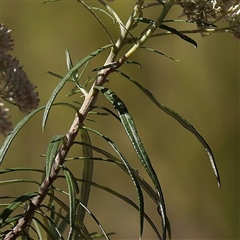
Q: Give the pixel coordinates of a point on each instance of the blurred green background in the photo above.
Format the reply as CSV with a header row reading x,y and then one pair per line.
x,y
203,87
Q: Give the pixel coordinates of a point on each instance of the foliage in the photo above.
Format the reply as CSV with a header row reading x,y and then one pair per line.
x,y
44,210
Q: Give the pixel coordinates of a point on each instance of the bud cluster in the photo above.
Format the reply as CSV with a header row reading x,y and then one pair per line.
x,y
210,12
15,87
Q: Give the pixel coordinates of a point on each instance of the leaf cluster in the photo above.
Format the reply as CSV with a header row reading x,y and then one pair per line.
x,y
44,210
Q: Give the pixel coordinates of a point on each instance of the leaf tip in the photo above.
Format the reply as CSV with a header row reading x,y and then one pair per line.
x,y
219,183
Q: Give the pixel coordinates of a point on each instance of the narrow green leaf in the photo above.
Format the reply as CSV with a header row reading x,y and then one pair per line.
x,y
12,206
114,14
7,197
131,130
65,79
75,75
51,152
45,222
12,181
170,29
101,10
99,150
8,170
25,234
181,35
125,199
51,1
88,165
64,223
14,132
96,220
198,22
55,74
67,105
131,174
89,8
78,88
113,159
153,50
4,148
182,121
108,111
10,220
98,113
134,62
72,200
50,223
142,182
95,235
57,231
56,216
69,60
53,221
49,234
36,230
82,228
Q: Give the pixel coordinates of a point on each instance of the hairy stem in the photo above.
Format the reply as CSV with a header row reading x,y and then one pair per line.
x,y
62,153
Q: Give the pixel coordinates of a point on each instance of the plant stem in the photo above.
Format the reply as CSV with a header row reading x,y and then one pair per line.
x,y
61,156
